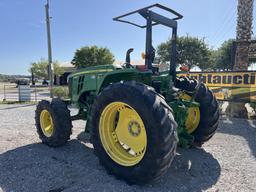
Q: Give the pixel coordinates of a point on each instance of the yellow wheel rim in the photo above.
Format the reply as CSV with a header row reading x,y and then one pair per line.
x,y
193,118
46,123
122,134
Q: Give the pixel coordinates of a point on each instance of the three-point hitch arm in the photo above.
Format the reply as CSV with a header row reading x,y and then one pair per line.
x,y
153,19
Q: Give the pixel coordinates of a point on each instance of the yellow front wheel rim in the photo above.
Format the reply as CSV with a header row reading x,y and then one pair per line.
x,y
122,134
193,118
46,123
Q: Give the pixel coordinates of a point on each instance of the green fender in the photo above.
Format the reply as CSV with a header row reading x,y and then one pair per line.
x,y
124,75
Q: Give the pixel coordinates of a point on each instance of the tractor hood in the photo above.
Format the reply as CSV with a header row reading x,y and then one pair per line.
x,y
94,70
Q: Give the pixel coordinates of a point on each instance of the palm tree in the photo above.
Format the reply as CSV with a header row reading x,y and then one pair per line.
x,y
243,33
243,41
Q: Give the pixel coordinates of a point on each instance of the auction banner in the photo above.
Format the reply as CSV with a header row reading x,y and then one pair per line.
x,y
229,86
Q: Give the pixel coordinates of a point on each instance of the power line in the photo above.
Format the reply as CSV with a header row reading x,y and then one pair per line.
x,y
227,15
222,31
229,25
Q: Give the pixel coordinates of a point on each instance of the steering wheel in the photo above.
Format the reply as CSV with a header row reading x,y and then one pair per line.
x,y
128,65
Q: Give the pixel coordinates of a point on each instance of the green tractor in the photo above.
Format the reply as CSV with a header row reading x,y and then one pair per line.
x,y
136,117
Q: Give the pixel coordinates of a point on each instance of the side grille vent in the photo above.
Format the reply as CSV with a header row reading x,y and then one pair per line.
x,y
80,84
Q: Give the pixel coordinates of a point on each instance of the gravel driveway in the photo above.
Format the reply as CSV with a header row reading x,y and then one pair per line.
x,y
227,163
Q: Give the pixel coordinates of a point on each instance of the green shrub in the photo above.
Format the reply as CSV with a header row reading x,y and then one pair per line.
x,y
61,92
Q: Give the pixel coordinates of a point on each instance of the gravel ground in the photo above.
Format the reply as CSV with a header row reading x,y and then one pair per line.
x,y
227,163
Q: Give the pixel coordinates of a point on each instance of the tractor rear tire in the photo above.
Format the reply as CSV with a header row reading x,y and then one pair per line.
x,y
53,122
209,109
159,125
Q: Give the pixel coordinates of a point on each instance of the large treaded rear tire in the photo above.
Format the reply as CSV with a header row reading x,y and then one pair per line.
x,y
160,127
209,109
61,119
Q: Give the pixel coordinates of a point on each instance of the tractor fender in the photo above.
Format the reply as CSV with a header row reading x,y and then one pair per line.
x,y
124,75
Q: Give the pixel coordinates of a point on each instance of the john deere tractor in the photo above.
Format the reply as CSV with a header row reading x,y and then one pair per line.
x,y
136,116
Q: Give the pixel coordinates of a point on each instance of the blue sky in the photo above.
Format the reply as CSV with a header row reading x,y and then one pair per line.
x,y
78,23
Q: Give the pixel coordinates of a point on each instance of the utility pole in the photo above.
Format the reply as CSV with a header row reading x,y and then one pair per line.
x,y
50,66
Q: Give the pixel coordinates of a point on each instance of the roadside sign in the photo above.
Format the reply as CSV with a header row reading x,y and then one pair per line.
x,y
229,86
24,93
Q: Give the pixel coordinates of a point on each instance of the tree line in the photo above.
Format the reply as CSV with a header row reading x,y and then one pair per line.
x,y
195,52
84,57
192,51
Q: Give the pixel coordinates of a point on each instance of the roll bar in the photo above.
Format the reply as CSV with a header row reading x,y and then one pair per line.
x,y
153,19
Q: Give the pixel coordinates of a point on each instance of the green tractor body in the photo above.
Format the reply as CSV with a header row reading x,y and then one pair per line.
x,y
136,118
86,84
92,80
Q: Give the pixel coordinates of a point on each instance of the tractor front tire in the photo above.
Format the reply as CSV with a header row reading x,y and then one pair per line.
x,y
133,132
53,122
209,109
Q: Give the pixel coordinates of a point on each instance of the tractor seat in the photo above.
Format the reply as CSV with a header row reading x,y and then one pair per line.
x,y
141,67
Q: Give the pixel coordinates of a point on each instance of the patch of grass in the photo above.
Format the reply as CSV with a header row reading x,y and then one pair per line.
x,y
17,102
61,92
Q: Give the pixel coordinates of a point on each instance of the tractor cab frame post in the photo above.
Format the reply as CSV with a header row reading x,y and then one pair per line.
x,y
173,54
148,58
153,19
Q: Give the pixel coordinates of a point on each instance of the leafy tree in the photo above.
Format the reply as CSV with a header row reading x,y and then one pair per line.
x,y
222,57
40,68
91,56
192,51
